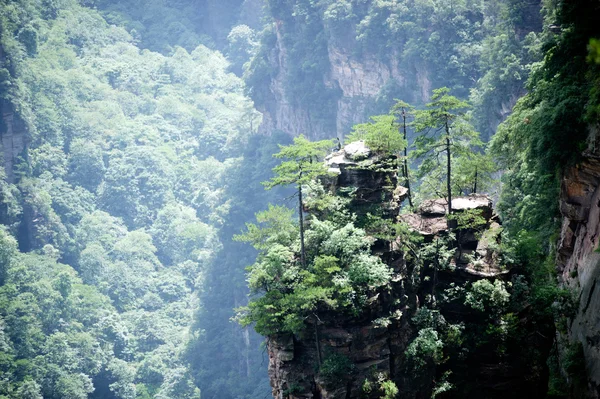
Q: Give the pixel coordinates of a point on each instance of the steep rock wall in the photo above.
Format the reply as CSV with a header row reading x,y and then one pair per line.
x,y
325,66
357,82
578,261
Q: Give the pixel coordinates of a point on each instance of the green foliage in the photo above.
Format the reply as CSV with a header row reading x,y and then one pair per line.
x,y
425,349
123,182
242,44
336,369
473,172
443,128
381,135
388,389
439,253
468,219
303,165
548,127
161,26
129,173
214,335
339,274
336,271
573,363
302,162
442,386
275,226
293,389
487,297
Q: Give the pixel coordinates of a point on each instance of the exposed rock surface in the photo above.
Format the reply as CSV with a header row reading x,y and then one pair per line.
x,y
476,253
372,178
577,260
279,112
357,81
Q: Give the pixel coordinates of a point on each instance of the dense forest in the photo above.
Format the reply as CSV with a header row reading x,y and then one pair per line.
x,y
141,256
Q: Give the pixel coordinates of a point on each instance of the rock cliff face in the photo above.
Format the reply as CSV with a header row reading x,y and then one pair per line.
x,y
578,261
325,66
360,81
355,81
376,341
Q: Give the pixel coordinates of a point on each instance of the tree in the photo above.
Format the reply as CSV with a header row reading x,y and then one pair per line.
x,y
380,135
241,45
302,166
443,128
473,172
404,110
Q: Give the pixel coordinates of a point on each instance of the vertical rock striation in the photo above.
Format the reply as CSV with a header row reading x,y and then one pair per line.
x,y
578,261
355,81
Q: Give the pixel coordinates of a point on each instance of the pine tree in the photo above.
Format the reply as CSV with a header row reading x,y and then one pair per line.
x,y
302,165
443,128
403,111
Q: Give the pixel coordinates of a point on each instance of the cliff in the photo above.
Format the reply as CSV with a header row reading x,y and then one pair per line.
x,y
325,66
578,261
352,84
355,356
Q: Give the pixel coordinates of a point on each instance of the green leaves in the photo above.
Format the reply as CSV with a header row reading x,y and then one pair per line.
x,y
425,349
275,225
485,296
380,135
302,164
441,110
448,148
340,272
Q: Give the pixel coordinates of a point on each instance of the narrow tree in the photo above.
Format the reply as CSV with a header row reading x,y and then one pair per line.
x,y
473,172
403,110
444,128
302,164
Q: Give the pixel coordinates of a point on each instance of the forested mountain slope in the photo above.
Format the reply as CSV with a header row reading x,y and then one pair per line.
x,y
548,148
116,164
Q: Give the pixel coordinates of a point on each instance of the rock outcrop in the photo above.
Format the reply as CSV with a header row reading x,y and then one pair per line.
x,y
374,342
372,179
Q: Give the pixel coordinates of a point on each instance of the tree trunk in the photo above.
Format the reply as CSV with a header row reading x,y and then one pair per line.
x,y
475,184
406,178
317,343
301,219
448,169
